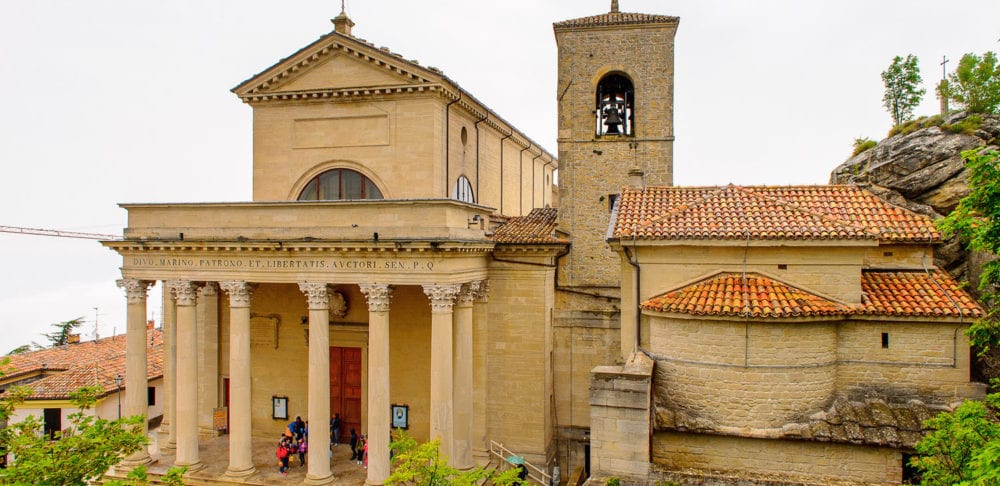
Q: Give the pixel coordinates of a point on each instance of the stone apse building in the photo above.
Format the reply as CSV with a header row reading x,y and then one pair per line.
x,y
407,259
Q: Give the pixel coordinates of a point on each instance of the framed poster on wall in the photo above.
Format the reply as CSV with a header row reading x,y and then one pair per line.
x,y
400,416
279,408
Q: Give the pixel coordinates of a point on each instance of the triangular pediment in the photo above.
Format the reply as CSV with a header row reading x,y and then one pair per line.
x,y
337,62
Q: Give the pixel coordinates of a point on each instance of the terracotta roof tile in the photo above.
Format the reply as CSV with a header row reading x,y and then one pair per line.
x,y
615,18
915,294
909,294
732,212
86,363
726,294
539,226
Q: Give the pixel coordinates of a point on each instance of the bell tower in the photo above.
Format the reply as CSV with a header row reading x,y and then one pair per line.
x,y
615,95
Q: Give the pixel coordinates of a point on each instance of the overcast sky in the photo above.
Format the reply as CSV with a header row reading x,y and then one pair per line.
x,y
128,101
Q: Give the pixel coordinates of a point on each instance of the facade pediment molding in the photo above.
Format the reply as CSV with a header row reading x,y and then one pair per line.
x,y
272,78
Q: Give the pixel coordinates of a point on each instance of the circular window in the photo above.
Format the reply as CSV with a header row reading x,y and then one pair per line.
x,y
340,184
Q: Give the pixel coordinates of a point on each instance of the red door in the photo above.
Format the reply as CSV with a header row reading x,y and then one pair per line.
x,y
345,388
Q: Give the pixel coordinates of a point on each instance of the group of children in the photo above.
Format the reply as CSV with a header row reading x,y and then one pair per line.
x,y
294,440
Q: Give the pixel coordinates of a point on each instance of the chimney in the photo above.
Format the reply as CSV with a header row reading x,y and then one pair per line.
x,y
150,325
635,178
73,339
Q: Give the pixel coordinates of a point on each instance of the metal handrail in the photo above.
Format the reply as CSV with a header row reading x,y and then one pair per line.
x,y
535,473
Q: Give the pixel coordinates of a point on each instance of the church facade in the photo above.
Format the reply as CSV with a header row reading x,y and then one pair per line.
x,y
407,261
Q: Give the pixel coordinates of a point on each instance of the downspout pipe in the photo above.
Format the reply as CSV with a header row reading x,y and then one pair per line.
x,y
520,180
533,190
476,127
511,134
633,259
447,143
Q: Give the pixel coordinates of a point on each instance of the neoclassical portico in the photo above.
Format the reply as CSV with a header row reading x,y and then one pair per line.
x,y
451,276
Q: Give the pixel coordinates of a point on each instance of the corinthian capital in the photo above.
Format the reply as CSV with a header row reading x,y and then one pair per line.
x,y
318,295
442,296
239,292
185,291
378,296
482,290
135,290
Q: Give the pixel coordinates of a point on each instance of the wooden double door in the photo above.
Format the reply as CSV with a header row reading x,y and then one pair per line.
x,y
345,389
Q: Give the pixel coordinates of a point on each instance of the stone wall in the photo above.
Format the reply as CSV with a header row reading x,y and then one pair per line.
x,y
777,461
620,418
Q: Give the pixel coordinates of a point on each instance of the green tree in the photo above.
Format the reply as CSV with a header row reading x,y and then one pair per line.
x,y
80,454
423,465
902,88
963,447
976,220
60,336
975,84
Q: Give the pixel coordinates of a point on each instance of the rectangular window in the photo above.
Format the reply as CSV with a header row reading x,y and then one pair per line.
x,y
151,396
887,253
885,340
782,266
612,198
53,421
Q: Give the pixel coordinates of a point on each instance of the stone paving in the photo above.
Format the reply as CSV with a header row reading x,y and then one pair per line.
x,y
214,453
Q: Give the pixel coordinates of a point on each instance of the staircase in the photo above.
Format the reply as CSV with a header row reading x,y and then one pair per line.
x,y
502,459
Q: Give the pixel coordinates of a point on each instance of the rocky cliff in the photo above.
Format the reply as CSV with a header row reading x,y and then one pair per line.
x,y
921,168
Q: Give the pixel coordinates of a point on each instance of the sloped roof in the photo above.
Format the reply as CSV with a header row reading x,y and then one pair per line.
x,y
729,294
539,226
822,212
899,293
615,18
918,294
86,363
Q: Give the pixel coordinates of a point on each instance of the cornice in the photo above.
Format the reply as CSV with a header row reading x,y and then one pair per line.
x,y
342,93
303,247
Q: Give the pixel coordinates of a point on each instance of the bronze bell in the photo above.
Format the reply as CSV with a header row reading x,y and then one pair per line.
x,y
613,121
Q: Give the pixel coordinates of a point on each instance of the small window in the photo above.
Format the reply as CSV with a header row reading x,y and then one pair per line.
x,y
340,184
612,199
887,253
463,190
151,396
53,422
782,266
465,136
885,340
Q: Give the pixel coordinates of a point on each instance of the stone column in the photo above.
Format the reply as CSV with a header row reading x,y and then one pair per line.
x,y
379,414
168,428
462,386
480,325
240,433
136,381
442,299
318,295
208,358
186,415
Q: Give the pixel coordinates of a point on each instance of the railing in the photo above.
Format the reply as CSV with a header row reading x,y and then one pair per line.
x,y
501,453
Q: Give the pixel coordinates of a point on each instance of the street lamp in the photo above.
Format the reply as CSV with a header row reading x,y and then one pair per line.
x,y
118,381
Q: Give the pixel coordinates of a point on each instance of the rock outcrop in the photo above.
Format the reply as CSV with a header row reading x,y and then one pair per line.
x,y
923,170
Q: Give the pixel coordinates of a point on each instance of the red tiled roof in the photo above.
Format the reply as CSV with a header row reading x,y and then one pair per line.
x,y
915,294
906,294
732,212
616,18
86,363
728,294
539,226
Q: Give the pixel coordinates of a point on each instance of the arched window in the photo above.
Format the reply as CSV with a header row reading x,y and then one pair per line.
x,y
615,106
463,190
337,184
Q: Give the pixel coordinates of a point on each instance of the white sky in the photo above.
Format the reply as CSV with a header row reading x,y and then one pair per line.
x,y
128,101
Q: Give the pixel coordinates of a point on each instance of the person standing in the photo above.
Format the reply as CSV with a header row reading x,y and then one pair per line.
x,y
354,445
362,448
283,452
335,429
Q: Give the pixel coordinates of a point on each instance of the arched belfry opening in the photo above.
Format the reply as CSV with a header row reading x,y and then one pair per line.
x,y
615,106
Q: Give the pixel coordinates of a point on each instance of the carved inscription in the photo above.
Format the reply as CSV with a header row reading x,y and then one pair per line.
x,y
282,264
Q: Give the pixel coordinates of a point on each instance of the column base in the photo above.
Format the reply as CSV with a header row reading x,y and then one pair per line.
x,y
317,481
138,459
369,482
195,467
240,473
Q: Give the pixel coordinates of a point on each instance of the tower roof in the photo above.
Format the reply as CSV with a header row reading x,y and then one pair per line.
x,y
615,18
